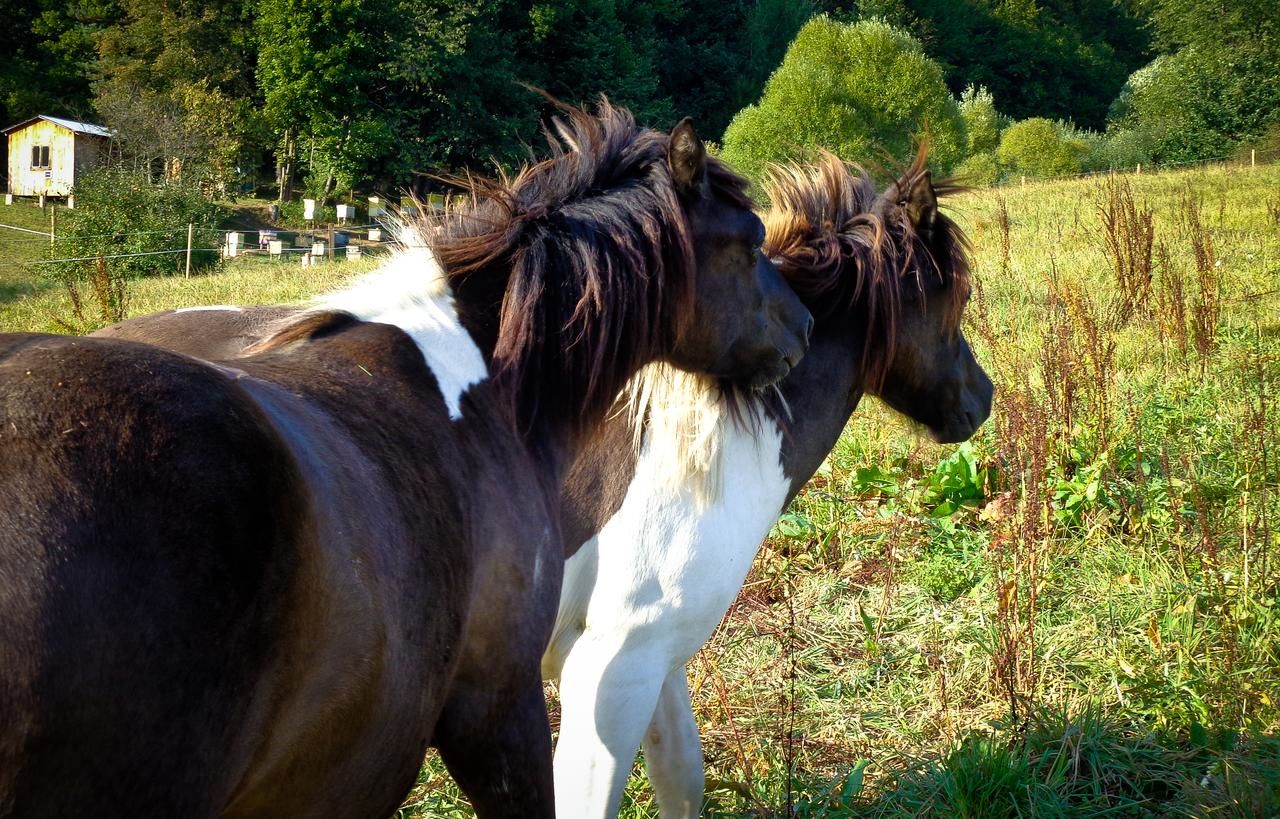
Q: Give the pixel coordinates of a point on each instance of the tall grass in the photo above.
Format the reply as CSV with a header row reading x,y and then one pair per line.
x,y
1094,631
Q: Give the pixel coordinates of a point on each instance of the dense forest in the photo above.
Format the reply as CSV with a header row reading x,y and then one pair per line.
x,y
327,95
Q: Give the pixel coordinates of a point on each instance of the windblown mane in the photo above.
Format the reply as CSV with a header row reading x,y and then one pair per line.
x,y
577,270
843,256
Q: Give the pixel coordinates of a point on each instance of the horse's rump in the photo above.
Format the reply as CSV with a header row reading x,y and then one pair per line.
x,y
199,579
99,565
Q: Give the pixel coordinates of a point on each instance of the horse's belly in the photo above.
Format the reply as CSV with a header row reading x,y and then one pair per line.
x,y
369,778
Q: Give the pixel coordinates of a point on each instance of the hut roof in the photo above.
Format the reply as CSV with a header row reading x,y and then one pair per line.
x,y
69,124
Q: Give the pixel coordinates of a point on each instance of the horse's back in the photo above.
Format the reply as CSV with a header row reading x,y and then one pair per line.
x,y
210,333
143,538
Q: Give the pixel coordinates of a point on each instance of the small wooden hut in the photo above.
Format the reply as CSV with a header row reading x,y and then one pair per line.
x,y
47,153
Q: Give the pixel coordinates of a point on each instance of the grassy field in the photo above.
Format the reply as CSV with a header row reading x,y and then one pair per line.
x,y
35,305
18,248
1074,614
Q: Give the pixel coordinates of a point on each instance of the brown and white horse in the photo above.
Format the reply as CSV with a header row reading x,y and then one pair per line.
x,y
263,586
667,535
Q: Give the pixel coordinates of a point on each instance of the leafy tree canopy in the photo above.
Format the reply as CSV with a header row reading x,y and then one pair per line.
x,y
1217,84
48,48
1063,59
861,90
981,121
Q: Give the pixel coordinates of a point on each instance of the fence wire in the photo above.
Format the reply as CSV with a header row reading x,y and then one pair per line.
x,y
1259,158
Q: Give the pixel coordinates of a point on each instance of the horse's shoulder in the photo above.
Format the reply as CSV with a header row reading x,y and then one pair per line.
x,y
323,337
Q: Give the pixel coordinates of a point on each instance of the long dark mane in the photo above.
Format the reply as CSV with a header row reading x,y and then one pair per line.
x,y
579,268
847,258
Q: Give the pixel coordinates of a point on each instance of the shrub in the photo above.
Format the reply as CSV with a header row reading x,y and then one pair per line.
x,y
858,89
1193,105
1115,150
1035,147
979,169
1267,144
120,211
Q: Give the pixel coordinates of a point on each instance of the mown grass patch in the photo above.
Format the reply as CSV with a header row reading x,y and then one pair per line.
x,y
19,248
244,281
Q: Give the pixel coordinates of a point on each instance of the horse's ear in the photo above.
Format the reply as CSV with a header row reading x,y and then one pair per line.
x,y
688,158
921,203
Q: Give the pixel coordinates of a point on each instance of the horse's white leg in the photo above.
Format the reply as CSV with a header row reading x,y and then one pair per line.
x,y
608,691
673,751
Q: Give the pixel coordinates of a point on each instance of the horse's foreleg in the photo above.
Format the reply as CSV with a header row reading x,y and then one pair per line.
x,y
497,746
607,695
673,751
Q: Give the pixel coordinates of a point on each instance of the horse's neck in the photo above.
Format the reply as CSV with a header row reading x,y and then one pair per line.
x,y
687,422
822,392
411,292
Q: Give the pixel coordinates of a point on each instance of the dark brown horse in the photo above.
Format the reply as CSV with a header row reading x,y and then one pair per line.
x,y
667,534
262,587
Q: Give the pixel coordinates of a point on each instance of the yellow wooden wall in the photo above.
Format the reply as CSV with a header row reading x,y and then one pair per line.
x,y
26,181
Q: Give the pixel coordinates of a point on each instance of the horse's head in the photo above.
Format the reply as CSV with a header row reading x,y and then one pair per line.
x,y
625,246
895,271
933,377
747,326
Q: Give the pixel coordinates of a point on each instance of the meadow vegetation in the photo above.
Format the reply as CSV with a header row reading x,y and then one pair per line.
x,y
1074,614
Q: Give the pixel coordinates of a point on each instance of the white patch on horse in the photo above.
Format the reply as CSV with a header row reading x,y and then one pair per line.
x,y
411,292
210,308
642,596
676,415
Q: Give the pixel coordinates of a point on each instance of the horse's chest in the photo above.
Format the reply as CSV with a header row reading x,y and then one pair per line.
x,y
672,554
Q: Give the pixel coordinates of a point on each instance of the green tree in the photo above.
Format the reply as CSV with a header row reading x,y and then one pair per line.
x,y
1216,84
860,90
981,121
323,77
583,48
453,73
48,48
175,84
1057,58
978,169
715,57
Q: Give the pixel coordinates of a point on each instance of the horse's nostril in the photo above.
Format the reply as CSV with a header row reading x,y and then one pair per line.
x,y
808,331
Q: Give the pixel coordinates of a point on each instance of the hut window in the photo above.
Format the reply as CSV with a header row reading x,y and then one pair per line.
x,y
39,156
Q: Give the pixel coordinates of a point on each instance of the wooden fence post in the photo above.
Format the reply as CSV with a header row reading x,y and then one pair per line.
x,y
53,223
330,242
190,230
1253,157
1139,169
